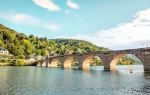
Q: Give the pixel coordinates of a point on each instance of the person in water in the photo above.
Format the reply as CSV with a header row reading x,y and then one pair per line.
x,y
130,69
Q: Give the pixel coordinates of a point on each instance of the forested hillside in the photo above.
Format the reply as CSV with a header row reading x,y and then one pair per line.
x,y
23,46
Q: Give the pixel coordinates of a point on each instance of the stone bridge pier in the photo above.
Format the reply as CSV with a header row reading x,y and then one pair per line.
x,y
145,58
53,62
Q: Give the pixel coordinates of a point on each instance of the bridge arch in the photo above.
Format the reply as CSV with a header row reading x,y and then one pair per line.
x,y
69,61
115,60
88,60
42,63
39,63
54,62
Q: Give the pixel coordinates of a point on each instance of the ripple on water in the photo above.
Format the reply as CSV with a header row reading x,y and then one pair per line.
x,y
55,81
138,91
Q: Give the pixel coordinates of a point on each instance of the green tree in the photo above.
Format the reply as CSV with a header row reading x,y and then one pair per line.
x,y
1,43
22,46
19,62
44,52
17,51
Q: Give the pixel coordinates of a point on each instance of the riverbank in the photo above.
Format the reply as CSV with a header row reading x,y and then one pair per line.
x,y
18,62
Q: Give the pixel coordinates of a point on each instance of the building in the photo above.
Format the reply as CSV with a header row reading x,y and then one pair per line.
x,y
4,51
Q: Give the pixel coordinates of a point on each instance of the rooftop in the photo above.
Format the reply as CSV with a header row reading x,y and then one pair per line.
x,y
3,49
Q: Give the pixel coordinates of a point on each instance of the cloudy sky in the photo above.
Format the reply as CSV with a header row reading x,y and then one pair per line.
x,y
116,24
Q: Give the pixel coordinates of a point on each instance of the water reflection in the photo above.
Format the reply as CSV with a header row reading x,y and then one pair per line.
x,y
147,75
56,81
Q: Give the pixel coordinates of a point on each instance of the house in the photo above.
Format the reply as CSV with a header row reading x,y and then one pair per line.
x,y
4,51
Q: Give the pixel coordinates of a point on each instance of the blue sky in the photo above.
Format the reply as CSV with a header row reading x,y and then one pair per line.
x,y
116,24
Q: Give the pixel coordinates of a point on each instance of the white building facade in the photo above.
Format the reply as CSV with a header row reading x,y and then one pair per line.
x,y
4,51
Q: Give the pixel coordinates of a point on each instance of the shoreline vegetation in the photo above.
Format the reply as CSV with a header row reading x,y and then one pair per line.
x,y
24,49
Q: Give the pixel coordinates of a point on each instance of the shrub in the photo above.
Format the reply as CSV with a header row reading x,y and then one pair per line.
x,y
19,62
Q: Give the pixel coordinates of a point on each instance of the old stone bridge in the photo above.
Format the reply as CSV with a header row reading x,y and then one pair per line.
x,y
110,59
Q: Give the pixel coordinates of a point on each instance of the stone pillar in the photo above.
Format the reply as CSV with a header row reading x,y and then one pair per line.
x,y
49,63
53,62
66,62
146,62
106,61
38,64
82,64
107,66
44,63
62,62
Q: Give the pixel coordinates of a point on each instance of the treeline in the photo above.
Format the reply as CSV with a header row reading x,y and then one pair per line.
x,y
126,61
22,46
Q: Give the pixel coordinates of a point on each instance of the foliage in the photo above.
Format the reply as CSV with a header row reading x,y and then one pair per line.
x,y
96,61
19,62
22,46
126,61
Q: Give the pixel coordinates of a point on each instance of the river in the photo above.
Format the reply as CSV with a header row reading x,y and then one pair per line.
x,y
57,81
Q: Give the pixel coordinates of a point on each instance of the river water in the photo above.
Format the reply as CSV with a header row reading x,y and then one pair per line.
x,y
57,81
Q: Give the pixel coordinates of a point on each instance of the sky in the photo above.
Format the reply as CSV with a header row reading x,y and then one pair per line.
x,y
115,24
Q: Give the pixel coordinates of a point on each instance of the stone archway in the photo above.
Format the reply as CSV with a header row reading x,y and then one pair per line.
x,y
39,64
114,61
87,61
44,63
54,62
68,62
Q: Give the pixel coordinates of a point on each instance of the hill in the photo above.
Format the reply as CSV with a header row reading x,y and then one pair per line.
x,y
23,46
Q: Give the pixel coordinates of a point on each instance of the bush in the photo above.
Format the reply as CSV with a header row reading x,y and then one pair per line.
x,y
21,56
3,61
19,62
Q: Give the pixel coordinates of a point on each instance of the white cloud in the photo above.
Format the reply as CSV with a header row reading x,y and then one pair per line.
x,y
47,4
72,5
25,19
19,18
124,34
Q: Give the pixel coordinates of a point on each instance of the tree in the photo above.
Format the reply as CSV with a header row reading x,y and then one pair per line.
x,y
1,43
31,36
126,61
8,37
44,52
28,46
38,51
16,42
96,61
22,46
17,51
19,62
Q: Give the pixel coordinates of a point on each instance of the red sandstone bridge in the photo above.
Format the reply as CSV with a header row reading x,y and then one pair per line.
x,y
110,59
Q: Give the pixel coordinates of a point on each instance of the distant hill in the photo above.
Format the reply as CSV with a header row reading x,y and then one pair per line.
x,y
23,46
